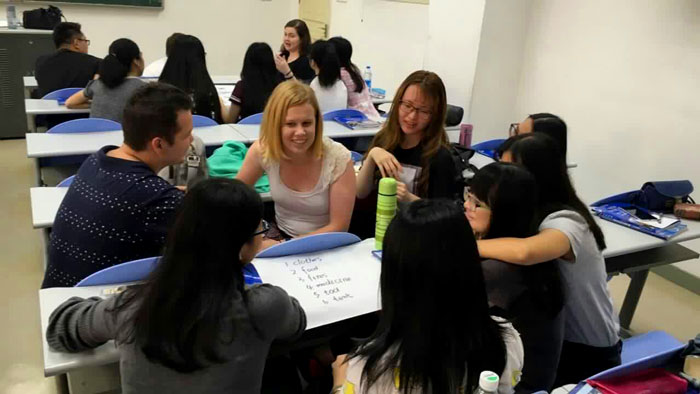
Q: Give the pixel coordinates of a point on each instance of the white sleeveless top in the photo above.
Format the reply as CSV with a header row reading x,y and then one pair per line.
x,y
299,213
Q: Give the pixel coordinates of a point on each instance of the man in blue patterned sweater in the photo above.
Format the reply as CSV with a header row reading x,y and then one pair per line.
x,y
117,209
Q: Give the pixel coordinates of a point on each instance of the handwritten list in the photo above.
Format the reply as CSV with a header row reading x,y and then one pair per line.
x,y
332,285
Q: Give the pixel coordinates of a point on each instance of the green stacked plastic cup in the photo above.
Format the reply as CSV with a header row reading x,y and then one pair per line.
x,y
386,209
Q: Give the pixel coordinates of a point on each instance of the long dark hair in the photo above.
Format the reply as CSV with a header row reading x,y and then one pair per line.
x,y
510,191
541,155
117,64
260,76
434,137
343,48
323,54
186,68
304,37
552,125
188,301
430,257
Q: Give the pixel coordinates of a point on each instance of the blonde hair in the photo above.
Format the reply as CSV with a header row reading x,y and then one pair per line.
x,y
434,135
287,94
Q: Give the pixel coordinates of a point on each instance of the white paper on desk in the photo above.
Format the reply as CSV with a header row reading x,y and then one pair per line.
x,y
225,91
331,286
665,221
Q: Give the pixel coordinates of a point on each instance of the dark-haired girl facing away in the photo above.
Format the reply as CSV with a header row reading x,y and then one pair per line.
x,y
186,69
358,93
435,333
569,234
296,45
502,202
191,327
330,90
545,123
259,77
119,71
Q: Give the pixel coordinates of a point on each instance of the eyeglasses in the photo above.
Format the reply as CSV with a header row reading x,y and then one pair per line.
x,y
82,39
265,228
408,108
513,131
472,203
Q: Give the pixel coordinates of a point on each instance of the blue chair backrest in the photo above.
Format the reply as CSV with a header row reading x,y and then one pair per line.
x,y
355,156
202,121
488,148
331,115
126,272
86,125
252,119
66,182
61,95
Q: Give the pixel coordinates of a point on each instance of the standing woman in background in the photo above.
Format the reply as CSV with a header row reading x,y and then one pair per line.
x,y
118,79
186,68
329,88
259,77
295,50
358,93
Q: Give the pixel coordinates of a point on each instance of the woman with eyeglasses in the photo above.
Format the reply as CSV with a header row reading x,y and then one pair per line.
x,y
545,123
192,326
502,202
568,233
411,147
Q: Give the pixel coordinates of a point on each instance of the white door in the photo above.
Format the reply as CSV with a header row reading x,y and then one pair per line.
x,y
317,15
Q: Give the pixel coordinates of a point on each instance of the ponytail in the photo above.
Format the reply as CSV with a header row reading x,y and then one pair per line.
x,y
116,66
343,48
324,55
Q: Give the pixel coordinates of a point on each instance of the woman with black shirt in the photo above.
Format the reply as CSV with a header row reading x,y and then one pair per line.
x,y
295,50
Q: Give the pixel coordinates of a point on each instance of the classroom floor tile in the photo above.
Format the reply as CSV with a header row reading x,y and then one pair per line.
x,y
663,305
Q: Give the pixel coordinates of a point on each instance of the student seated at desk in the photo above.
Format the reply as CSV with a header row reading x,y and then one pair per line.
x,y
545,123
295,49
70,66
118,209
119,71
501,202
312,179
330,90
156,67
569,234
186,69
259,77
191,327
412,147
435,333
358,93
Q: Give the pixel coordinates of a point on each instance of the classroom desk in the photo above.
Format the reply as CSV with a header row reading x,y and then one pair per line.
x,y
35,107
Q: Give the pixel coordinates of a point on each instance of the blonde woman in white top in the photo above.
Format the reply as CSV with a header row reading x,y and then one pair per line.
x,y
312,180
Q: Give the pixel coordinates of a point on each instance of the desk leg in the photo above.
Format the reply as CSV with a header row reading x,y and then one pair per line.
x,y
37,171
634,291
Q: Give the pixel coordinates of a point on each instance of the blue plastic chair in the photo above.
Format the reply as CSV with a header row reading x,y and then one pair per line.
x,y
202,121
355,156
121,273
346,113
252,119
86,126
66,182
61,95
488,148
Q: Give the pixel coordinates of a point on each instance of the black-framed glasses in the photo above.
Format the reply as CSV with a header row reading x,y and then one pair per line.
x,y
408,107
83,39
513,130
265,228
473,203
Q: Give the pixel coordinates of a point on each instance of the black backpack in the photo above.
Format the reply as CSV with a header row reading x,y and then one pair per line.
x,y
42,18
465,170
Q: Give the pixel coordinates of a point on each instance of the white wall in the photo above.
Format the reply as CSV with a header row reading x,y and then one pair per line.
x,y
226,27
498,69
625,77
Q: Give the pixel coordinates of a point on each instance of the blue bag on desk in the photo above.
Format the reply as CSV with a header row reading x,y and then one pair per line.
x,y
653,196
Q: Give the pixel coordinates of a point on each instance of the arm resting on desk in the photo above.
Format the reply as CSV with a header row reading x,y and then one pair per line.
x,y
81,324
548,245
78,101
277,315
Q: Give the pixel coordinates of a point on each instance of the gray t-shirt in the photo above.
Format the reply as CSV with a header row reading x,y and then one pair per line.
x,y
590,317
109,103
78,325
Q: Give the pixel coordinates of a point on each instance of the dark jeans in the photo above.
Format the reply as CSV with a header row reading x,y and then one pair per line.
x,y
579,361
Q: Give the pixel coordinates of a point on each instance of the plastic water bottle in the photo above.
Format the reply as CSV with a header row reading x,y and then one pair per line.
x,y
367,76
12,22
488,383
386,209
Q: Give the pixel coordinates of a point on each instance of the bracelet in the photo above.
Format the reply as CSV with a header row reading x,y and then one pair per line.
x,y
289,74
